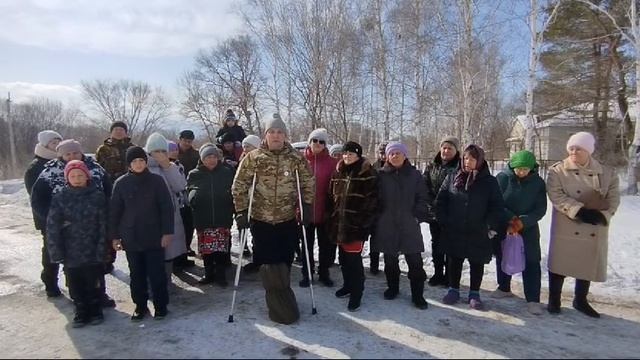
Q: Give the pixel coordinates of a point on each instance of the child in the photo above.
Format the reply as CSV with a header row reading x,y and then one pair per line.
x,y
76,229
142,223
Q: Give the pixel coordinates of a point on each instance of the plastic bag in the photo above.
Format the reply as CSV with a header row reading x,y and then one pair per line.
x,y
513,260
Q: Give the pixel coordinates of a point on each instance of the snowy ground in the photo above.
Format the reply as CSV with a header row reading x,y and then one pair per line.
x,y
32,326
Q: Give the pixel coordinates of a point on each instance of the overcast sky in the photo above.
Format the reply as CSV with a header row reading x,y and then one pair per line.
x,y
48,46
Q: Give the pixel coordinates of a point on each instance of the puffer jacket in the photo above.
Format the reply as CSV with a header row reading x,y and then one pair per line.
x,y
276,194
209,193
322,167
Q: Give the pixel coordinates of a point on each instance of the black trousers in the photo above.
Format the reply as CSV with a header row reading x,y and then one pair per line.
x,y
556,281
326,253
187,220
274,243
454,267
85,287
352,270
438,255
392,269
214,262
149,265
49,274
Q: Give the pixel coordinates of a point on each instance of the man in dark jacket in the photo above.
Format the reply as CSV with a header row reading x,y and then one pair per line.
x,y
209,189
45,150
141,223
446,162
51,181
374,256
111,156
188,157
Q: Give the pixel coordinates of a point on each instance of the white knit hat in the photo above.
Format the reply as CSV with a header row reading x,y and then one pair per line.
x,y
45,137
251,140
582,140
156,142
320,134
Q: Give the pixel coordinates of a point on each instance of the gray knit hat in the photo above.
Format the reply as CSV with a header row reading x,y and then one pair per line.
x,y
275,123
451,140
209,149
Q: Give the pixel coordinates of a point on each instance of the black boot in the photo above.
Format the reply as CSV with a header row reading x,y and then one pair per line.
x,y
95,313
580,301
393,281
555,293
81,316
139,313
220,277
345,290
417,290
354,301
324,278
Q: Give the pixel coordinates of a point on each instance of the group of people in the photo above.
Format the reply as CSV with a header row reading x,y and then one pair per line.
x,y
148,202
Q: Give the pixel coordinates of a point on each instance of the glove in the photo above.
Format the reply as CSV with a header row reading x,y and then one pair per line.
x,y
242,219
515,226
590,216
307,214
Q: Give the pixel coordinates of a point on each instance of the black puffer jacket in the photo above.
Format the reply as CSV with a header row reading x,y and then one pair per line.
x,y
209,193
33,171
402,205
141,211
76,227
434,175
466,216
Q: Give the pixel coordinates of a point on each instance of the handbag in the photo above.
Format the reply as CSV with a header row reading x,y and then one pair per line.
x,y
513,259
213,240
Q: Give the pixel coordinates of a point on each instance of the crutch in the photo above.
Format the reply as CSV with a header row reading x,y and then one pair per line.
x,y
306,250
243,241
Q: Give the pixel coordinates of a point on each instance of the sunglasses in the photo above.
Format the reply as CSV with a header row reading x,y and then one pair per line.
x,y
322,142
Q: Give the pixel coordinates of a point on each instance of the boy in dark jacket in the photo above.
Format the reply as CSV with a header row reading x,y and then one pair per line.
x,y
141,223
209,193
76,229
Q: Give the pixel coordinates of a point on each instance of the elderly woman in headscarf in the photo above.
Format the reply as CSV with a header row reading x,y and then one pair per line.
x,y
585,195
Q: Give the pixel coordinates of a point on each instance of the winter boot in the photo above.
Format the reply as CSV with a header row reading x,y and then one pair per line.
x,y
95,313
161,312
580,301
81,316
393,284
220,277
417,290
139,313
474,301
354,301
555,293
374,263
452,297
345,290
281,301
209,275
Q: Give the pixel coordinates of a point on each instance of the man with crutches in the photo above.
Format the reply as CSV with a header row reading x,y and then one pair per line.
x,y
281,176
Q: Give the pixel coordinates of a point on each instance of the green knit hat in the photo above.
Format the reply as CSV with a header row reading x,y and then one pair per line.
x,y
523,159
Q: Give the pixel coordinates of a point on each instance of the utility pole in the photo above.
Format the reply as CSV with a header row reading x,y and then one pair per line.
x,y
12,143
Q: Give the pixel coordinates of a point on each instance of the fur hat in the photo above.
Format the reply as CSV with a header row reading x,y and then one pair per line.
x,y
136,152
275,123
251,140
209,149
354,147
45,137
156,142
67,146
583,140
396,146
451,140
119,124
319,134
76,164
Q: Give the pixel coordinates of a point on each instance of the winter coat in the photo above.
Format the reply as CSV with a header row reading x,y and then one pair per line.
x,y
525,199
189,159
210,197
237,131
322,166
402,206
466,216
434,175
76,227
141,211
352,202
275,198
176,183
378,165
51,181
579,249
111,155
33,171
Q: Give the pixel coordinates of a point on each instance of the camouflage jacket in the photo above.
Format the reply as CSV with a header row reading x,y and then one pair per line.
x,y
275,199
112,157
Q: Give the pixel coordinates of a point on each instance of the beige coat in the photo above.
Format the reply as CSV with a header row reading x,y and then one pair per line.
x,y
579,249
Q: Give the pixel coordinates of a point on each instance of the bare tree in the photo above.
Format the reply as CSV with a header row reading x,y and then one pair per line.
x,y
142,107
203,103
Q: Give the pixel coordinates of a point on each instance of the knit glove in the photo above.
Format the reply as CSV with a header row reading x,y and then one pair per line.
x,y
242,219
591,216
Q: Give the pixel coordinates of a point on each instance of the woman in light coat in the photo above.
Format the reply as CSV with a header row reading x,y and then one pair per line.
x,y
585,196
160,164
